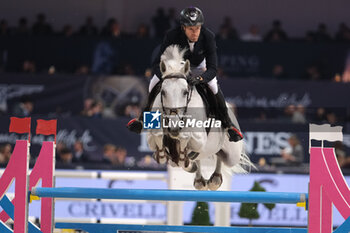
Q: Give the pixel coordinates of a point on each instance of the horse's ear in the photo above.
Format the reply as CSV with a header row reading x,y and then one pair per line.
x,y
187,67
162,67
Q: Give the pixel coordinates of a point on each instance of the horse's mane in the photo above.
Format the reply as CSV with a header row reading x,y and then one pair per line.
x,y
173,57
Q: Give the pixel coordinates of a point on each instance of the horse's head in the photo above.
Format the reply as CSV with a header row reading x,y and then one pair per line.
x,y
175,91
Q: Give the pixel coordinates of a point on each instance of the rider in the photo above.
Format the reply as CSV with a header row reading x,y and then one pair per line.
x,y
201,53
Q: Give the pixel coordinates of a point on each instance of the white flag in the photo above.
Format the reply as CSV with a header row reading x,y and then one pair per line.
x,y
326,132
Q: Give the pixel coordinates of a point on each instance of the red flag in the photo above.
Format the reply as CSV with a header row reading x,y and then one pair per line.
x,y
46,127
20,125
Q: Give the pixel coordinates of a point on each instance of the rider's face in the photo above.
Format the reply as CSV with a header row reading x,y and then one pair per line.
x,y
192,32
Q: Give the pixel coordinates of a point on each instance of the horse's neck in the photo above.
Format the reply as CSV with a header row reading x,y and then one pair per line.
x,y
196,99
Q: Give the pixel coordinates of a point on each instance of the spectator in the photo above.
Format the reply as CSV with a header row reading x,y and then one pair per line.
x,y
24,108
132,110
96,109
227,31
106,29
126,69
253,35
22,29
29,67
112,29
120,157
292,155
276,33
79,154
322,34
288,113
343,159
87,106
343,34
310,36
5,153
67,31
88,29
278,72
4,29
41,28
142,31
313,72
332,118
108,153
82,70
299,115
345,77
223,34
320,116
173,20
60,146
65,156
160,23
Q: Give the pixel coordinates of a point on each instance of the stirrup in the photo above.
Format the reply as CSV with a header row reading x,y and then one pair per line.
x,y
135,126
234,134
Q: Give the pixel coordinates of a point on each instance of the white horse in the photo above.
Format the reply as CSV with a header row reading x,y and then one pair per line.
x,y
183,145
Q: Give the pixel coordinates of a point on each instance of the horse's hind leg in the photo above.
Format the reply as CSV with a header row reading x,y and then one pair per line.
x,y
215,180
230,153
199,182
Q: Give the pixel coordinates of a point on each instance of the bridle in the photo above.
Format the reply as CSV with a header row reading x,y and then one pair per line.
x,y
188,97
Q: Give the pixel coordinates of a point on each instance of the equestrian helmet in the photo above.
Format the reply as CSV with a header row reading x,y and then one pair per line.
x,y
191,16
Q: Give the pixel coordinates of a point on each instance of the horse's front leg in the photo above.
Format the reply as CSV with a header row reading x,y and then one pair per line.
x,y
161,155
155,142
184,162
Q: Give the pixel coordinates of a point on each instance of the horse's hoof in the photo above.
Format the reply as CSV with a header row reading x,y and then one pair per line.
x,y
192,155
161,159
192,168
200,184
215,181
155,156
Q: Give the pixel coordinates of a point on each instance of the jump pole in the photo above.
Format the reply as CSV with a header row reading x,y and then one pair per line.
x,y
171,195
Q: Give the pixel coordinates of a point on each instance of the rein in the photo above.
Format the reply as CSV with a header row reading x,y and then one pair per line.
x,y
188,98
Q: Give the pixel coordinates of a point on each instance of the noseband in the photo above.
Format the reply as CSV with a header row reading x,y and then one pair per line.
x,y
188,97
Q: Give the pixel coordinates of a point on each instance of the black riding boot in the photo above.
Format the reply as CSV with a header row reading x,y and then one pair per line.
x,y
135,125
234,133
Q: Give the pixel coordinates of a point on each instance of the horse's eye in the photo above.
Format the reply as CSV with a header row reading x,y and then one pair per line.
x,y
185,92
162,93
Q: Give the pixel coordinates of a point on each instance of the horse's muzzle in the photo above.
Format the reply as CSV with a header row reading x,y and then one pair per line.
x,y
174,132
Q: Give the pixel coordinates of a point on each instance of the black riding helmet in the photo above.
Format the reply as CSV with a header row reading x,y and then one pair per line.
x,y
191,16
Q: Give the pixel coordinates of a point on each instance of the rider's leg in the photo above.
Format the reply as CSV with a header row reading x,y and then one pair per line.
x,y
222,112
135,125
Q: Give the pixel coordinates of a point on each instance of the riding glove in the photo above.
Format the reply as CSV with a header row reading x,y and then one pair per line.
x,y
195,80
